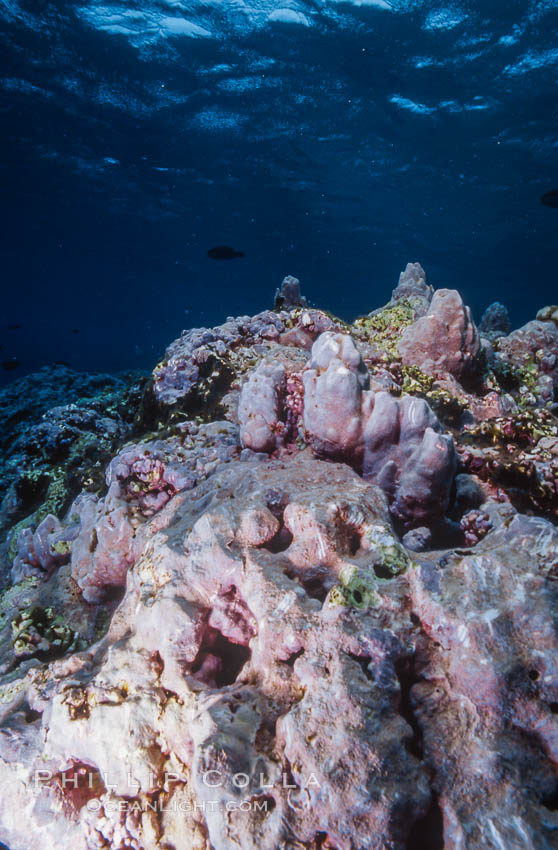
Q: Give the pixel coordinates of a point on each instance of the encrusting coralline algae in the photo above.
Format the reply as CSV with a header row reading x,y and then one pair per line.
x,y
299,591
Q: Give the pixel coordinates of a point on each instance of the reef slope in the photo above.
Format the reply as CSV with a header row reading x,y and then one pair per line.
x,y
299,591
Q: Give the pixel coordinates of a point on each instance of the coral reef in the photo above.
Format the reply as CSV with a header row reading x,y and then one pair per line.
x,y
49,451
299,591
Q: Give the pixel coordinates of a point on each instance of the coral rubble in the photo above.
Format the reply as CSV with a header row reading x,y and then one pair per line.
x,y
297,590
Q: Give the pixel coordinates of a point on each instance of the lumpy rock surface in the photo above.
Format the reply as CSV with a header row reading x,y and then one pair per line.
x,y
307,602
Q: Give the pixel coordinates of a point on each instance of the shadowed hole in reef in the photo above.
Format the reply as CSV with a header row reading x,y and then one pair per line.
x,y
219,660
382,571
293,656
407,677
31,715
264,804
428,832
315,587
550,802
77,785
322,841
317,583
363,661
354,542
280,542
534,675
276,501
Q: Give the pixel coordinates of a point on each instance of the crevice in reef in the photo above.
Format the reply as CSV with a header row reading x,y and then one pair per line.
x,y
407,677
219,660
550,801
293,656
264,741
363,661
428,832
276,502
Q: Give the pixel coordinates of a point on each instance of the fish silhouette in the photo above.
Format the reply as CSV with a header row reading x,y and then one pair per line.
x,y
10,365
550,199
15,327
224,252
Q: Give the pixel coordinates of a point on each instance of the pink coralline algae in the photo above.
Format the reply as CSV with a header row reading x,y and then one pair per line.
x,y
104,545
310,604
42,550
475,525
109,532
409,458
335,402
446,339
260,408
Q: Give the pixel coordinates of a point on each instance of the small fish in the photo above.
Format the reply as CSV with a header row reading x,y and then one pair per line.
x,y
15,327
10,365
61,363
550,199
224,252
75,330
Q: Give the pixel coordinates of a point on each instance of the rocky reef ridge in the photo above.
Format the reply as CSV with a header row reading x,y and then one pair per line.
x,y
298,590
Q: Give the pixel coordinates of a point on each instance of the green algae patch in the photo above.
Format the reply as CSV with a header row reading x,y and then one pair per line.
x,y
526,427
391,560
414,381
384,328
38,631
520,379
356,589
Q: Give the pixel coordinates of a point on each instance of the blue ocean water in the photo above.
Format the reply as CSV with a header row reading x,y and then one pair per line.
x,y
330,140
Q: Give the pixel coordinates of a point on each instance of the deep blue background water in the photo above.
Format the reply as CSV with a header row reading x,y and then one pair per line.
x,y
330,140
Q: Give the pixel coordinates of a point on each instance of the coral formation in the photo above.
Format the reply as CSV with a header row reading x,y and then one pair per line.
x,y
413,288
288,295
396,443
495,321
527,361
300,592
260,407
444,340
548,314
